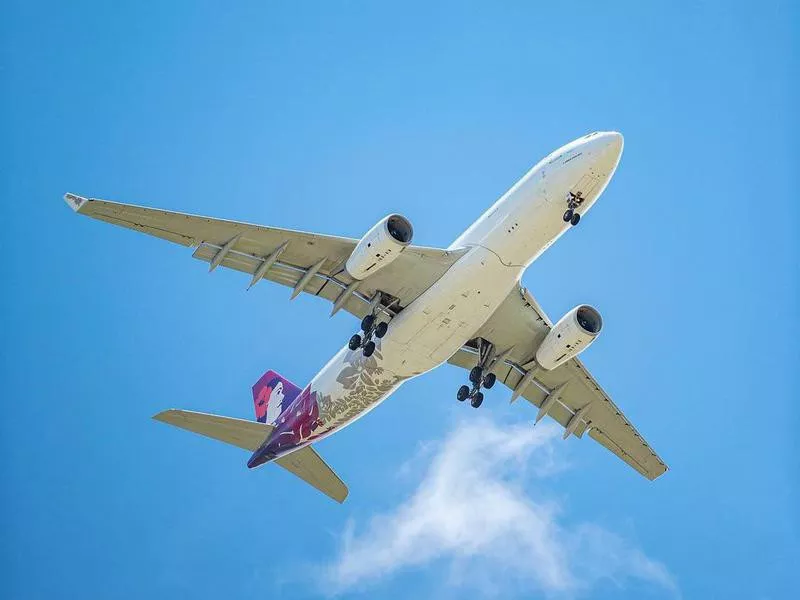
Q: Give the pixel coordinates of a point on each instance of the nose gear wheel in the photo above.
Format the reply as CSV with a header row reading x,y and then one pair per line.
x,y
573,202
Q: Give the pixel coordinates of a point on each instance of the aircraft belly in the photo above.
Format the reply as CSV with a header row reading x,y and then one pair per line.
x,y
423,336
435,326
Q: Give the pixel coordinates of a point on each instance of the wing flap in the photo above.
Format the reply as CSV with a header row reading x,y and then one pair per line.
x,y
510,376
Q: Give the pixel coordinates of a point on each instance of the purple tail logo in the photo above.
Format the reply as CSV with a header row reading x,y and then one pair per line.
x,y
271,395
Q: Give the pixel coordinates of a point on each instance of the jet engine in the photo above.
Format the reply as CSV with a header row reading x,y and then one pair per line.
x,y
569,337
380,246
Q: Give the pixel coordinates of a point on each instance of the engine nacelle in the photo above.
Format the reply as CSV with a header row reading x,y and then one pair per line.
x,y
569,337
380,246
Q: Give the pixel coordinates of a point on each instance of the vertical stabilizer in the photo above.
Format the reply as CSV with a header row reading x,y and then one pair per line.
x,y
271,395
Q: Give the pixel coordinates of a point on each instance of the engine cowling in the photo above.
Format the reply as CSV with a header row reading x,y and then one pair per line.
x,y
380,246
569,337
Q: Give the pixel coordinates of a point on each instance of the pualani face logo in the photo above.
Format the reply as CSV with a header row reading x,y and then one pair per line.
x,y
363,380
272,394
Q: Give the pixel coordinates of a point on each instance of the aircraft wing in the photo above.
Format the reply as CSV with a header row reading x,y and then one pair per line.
x,y
569,394
309,262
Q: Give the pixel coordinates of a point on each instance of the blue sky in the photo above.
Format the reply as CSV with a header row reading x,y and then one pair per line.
x,y
325,117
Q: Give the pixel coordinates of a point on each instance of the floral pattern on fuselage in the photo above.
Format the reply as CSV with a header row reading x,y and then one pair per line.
x,y
361,382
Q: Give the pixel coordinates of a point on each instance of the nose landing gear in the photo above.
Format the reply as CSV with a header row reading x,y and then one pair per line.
x,y
573,202
572,217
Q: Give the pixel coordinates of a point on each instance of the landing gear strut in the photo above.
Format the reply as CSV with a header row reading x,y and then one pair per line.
x,y
370,328
478,376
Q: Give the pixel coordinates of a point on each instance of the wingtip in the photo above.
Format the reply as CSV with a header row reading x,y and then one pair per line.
x,y
74,201
662,473
163,415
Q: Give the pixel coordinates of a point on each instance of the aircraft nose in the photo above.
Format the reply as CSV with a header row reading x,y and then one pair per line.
x,y
616,141
605,148
588,167
608,143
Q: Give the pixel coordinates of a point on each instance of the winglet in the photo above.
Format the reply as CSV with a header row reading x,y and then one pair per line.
x,y
75,202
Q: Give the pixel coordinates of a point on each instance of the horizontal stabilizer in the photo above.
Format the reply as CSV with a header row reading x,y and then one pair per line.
x,y
249,435
309,466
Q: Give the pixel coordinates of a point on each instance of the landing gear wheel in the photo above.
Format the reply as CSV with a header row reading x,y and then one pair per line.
x,y
355,342
568,215
477,400
576,218
475,375
463,393
381,329
489,380
369,348
367,322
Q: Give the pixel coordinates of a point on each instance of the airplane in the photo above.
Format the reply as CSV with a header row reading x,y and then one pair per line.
x,y
419,307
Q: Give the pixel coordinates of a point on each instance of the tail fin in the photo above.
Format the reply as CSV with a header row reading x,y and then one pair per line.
x,y
271,395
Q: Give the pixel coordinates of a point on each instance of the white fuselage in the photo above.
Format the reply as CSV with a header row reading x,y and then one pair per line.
x,y
509,236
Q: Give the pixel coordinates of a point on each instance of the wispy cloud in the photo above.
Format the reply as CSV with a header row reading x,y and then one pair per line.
x,y
471,513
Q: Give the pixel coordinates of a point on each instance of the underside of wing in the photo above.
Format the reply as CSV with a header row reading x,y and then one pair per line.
x,y
307,262
569,394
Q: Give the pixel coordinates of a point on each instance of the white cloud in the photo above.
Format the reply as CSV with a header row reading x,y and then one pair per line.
x,y
471,513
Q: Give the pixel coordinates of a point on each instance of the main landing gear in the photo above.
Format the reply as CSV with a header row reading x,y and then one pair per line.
x,y
573,202
478,377
369,328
